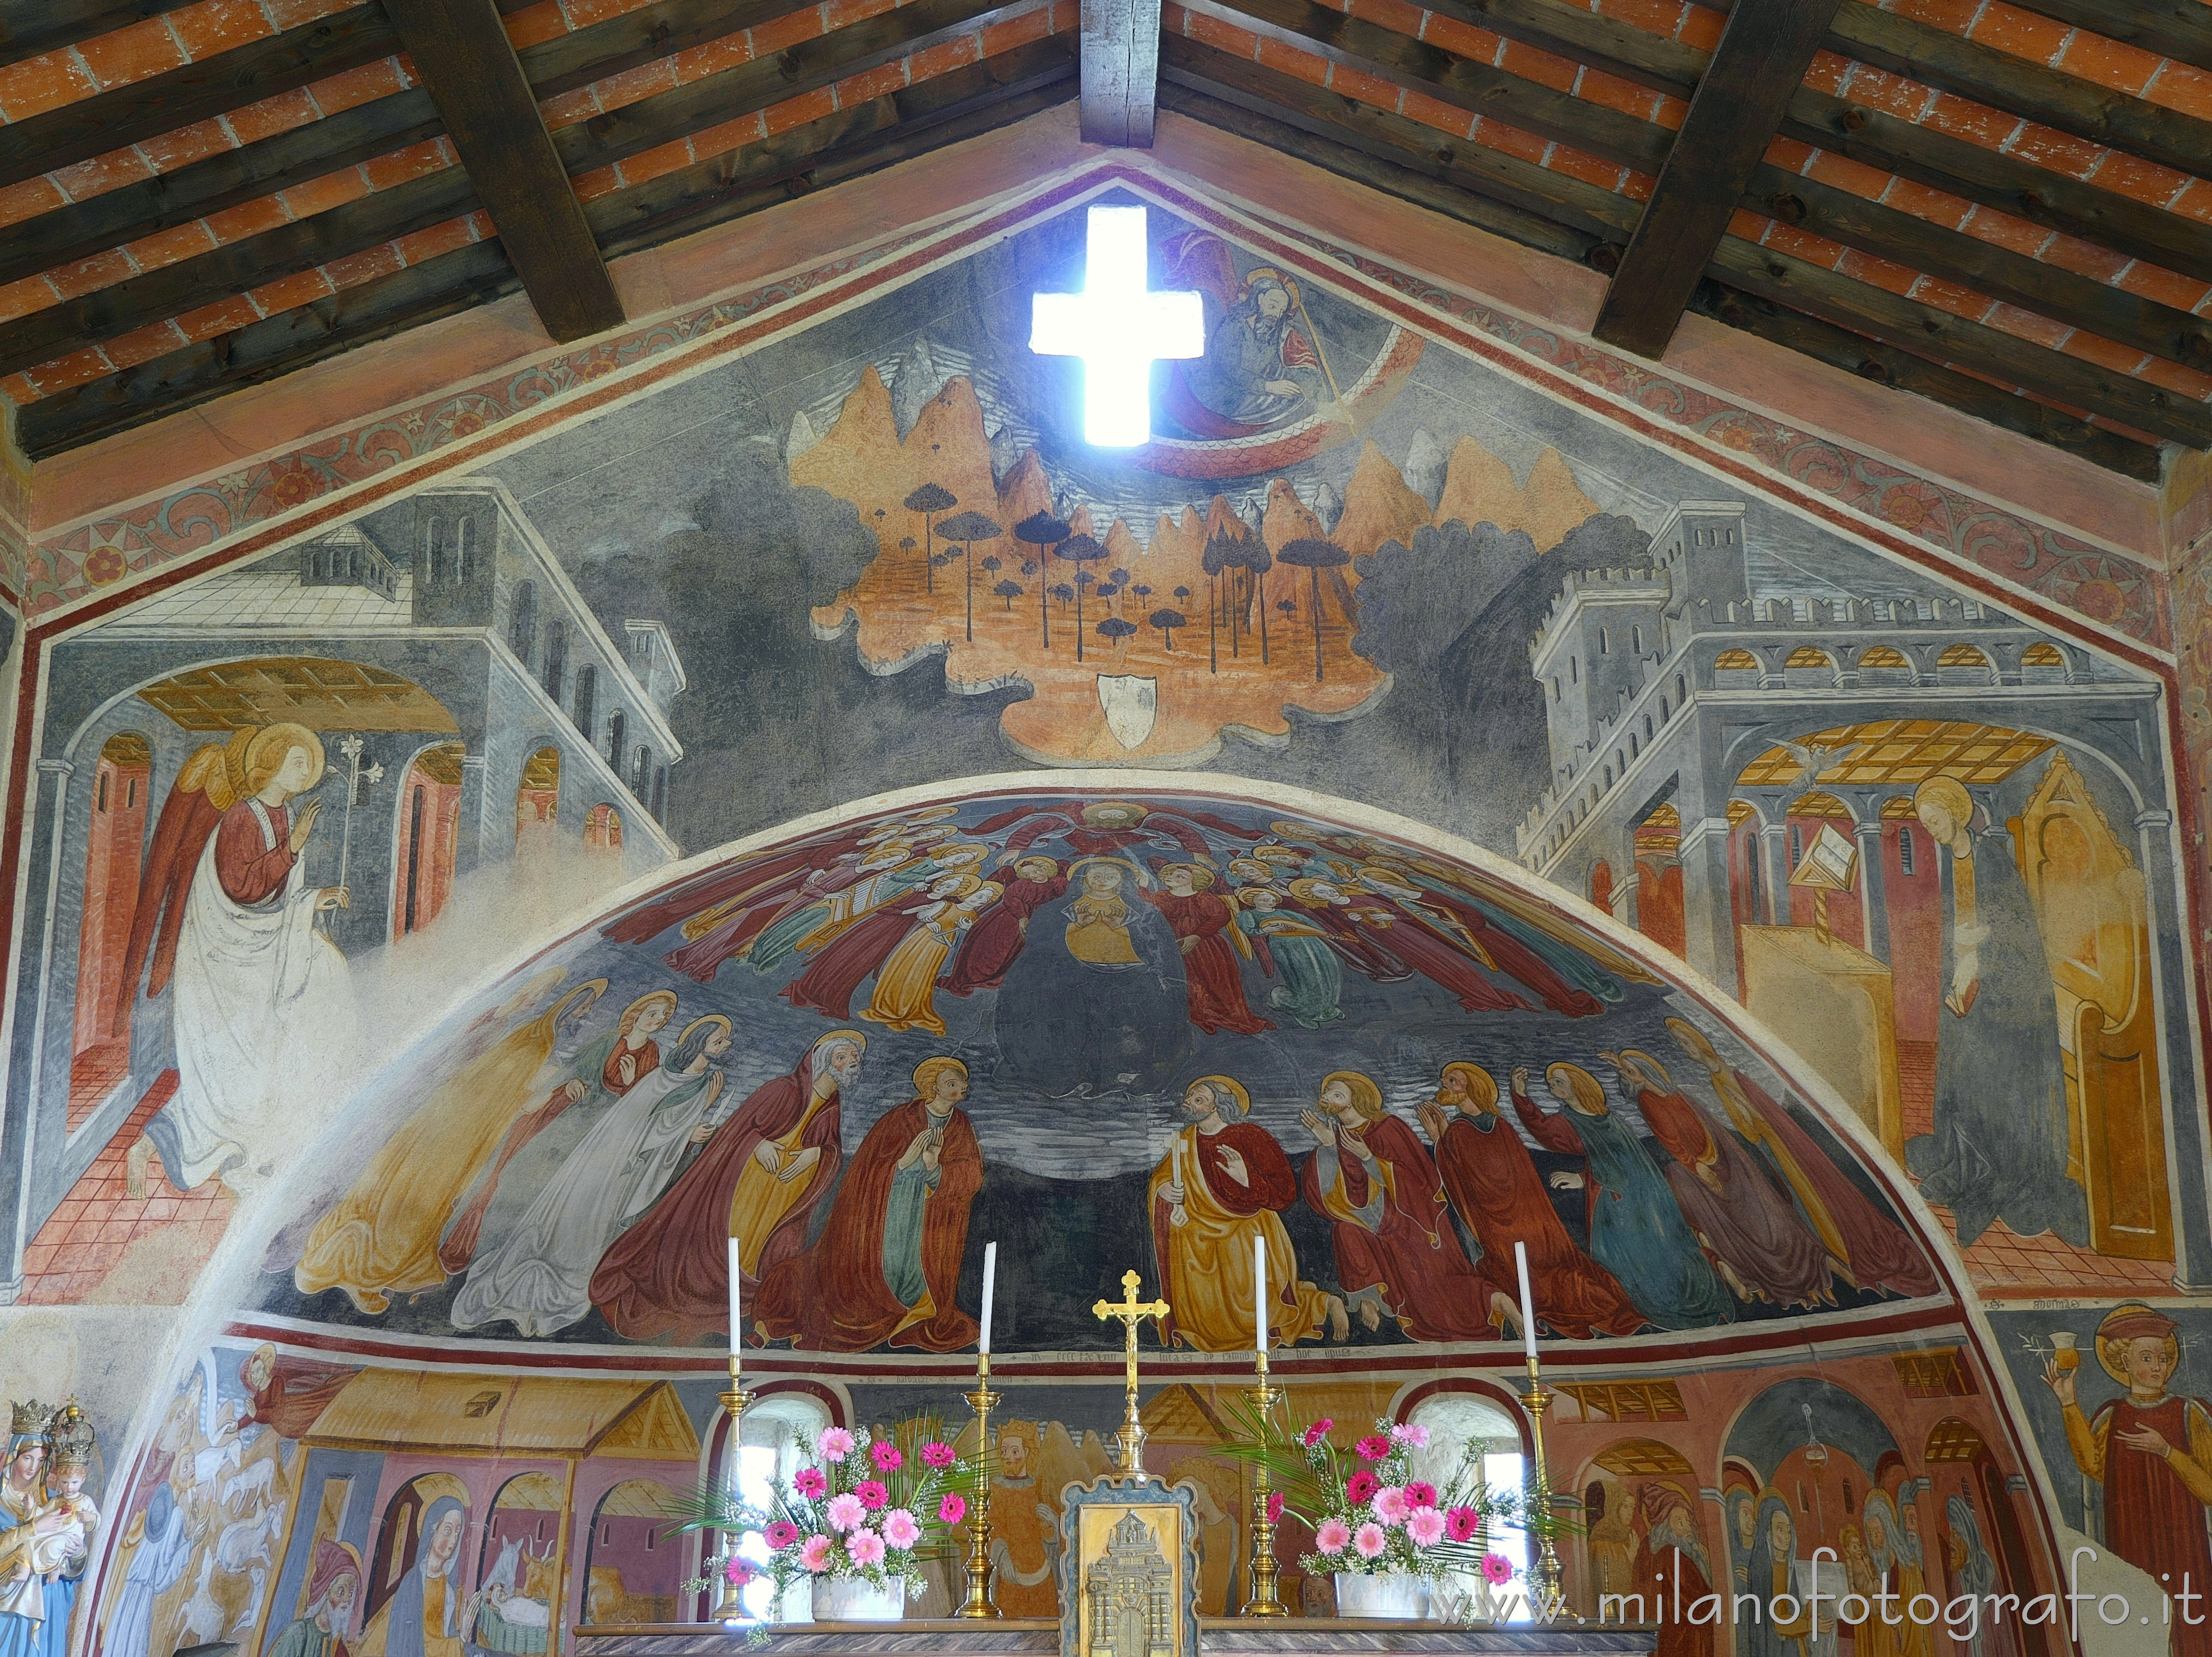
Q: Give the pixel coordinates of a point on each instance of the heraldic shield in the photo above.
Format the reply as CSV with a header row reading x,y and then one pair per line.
x,y
1132,703
1128,1570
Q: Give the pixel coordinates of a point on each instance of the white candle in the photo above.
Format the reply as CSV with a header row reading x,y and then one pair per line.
x,y
736,1323
1528,1303
990,1288
1259,1293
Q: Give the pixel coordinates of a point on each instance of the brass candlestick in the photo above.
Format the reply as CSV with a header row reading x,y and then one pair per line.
x,y
1262,1601
1544,1569
737,1400
978,1603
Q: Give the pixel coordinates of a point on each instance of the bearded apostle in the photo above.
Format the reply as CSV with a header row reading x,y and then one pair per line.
x,y
1204,924
757,1181
1493,1182
333,1585
382,1238
1761,1248
1224,1182
996,941
1636,1231
2151,1449
887,1266
1672,1568
1870,1247
1397,1255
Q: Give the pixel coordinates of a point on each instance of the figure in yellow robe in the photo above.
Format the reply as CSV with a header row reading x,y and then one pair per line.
x,y
1224,1182
380,1239
906,988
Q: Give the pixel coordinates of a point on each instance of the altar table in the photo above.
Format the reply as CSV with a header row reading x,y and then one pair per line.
x,y
1285,1636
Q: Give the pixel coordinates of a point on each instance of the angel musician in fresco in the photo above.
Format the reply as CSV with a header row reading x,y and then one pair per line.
x,y
1261,368
224,882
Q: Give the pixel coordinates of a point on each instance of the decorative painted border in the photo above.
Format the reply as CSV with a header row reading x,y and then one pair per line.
x,y
2105,587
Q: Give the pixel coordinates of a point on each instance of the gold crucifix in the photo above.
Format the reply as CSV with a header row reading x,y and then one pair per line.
x,y
1132,1312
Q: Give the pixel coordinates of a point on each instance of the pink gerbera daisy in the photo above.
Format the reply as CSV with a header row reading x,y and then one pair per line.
x,y
1390,1505
1360,1488
1274,1507
1318,1431
1373,1447
816,1552
937,1455
780,1535
835,1444
1332,1536
953,1508
1498,1568
810,1483
866,1547
871,1493
1421,1493
888,1457
1411,1434
1368,1540
1425,1527
846,1511
1461,1523
737,1573
900,1529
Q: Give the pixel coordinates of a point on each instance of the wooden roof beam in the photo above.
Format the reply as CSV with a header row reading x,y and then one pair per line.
x,y
2180,29
194,91
1764,49
1121,70
28,27
468,64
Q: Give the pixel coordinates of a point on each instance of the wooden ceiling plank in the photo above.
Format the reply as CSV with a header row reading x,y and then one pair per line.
x,y
462,53
2102,115
2049,290
1997,180
1547,208
613,45
30,27
1926,331
1121,70
223,179
860,139
1461,83
302,244
807,67
1375,164
1637,56
194,91
2180,29
1885,365
1764,49
264,349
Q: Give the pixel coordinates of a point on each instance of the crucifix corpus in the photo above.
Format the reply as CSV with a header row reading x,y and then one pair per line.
x,y
1132,1312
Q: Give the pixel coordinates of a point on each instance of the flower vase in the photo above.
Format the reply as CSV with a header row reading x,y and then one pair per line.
x,y
1399,1595
856,1600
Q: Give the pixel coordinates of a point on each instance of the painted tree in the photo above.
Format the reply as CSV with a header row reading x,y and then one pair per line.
x,y
1009,591
1313,555
1288,606
968,529
1041,530
929,500
1142,592
1220,557
1118,576
1168,620
1114,629
1257,563
1066,594
1079,550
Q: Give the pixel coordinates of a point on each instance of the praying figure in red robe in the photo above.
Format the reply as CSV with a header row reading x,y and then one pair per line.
x,y
1397,1255
2152,1451
1203,922
887,1266
756,1182
859,951
996,941
1493,1182
1492,945
1421,938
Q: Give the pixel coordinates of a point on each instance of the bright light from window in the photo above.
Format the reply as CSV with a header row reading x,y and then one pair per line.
x,y
1119,328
